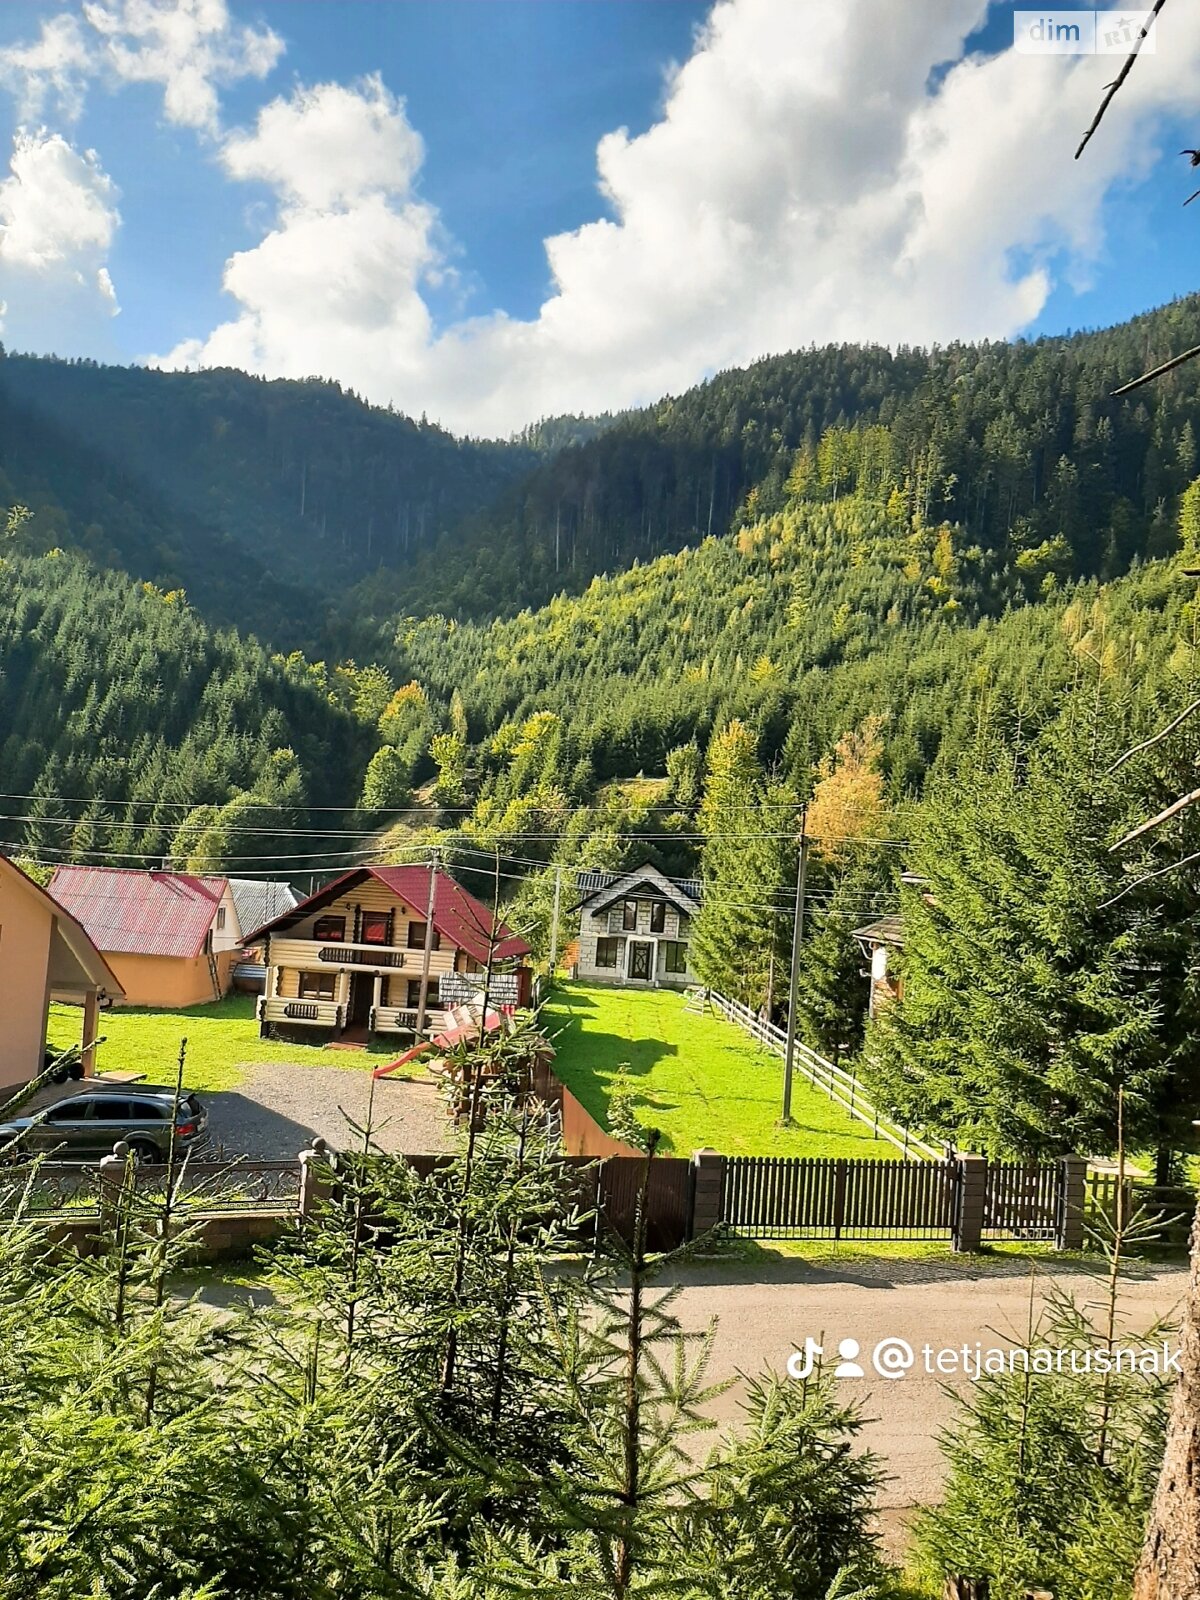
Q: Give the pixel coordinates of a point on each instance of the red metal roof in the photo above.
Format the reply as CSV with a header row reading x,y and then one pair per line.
x,y
460,919
127,912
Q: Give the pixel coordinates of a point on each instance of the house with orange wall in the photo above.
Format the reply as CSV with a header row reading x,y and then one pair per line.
x,y
45,955
170,937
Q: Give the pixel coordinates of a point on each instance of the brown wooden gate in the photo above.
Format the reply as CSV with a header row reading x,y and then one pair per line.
x,y
1022,1200
668,1199
800,1197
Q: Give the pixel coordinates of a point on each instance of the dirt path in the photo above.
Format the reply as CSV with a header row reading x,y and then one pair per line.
x,y
279,1108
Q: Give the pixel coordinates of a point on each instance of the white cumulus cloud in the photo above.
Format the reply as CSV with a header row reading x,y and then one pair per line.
x,y
58,216
807,180
189,48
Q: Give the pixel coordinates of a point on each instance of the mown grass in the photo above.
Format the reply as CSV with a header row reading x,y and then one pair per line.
x,y
697,1078
222,1041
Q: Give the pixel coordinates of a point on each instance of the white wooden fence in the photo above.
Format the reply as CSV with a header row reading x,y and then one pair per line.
x,y
842,1087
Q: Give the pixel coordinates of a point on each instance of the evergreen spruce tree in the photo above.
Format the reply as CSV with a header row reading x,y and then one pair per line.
x,y
747,853
1033,987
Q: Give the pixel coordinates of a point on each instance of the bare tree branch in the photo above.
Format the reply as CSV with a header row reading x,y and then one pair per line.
x,y
1157,372
1154,738
1146,877
1115,86
1172,810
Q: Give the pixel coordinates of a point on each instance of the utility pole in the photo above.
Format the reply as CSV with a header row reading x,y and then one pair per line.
x,y
554,921
793,991
424,999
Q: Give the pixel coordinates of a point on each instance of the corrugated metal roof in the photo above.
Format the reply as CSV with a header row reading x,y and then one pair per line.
x,y
256,903
127,912
457,915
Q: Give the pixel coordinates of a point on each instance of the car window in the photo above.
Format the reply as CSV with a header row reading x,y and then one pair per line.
x,y
148,1111
68,1111
107,1110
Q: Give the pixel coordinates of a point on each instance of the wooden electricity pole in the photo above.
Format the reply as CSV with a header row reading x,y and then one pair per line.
x,y
789,1060
554,920
423,1002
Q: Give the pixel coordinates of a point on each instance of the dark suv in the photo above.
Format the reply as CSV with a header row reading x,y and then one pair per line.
x,y
87,1125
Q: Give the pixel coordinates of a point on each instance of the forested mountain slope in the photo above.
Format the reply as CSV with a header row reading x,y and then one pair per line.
x,y
122,710
262,499
802,624
1021,445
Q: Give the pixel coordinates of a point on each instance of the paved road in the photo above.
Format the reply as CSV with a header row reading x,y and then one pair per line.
x,y
766,1311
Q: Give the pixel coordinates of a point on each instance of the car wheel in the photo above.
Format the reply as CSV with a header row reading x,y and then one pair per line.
x,y
144,1153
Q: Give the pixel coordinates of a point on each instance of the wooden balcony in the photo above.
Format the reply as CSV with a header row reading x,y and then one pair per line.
x,y
320,955
302,1013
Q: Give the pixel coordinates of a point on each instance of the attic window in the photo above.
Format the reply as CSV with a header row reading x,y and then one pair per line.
x,y
658,916
629,916
220,918
330,928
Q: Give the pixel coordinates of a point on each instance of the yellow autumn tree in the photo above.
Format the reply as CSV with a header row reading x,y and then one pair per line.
x,y
847,799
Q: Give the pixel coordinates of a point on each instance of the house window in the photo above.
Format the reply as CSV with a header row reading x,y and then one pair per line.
x,y
332,929
674,956
629,916
317,985
658,916
220,918
374,929
416,937
414,993
606,952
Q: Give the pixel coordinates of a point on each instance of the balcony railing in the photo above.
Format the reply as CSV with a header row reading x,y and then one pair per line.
x,y
315,954
315,1013
403,1019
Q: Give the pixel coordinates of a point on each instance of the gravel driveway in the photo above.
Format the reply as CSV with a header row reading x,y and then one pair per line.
x,y
279,1108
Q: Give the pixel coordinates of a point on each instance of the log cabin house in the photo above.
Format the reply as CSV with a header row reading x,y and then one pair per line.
x,y
362,958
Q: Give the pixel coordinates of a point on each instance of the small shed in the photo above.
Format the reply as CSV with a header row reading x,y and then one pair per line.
x,y
879,939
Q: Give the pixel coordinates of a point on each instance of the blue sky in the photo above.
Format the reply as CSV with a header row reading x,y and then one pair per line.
x,y
750,207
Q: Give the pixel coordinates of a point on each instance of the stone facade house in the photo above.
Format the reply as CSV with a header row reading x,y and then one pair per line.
x,y
634,928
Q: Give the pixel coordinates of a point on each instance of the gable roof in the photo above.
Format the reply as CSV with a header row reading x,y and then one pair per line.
x,y
599,889
257,902
130,912
457,916
76,949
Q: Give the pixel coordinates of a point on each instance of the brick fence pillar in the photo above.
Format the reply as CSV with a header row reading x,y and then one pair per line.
x,y
708,1187
972,1189
1072,1197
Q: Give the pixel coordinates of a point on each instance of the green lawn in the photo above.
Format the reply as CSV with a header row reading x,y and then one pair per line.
x,y
698,1079
222,1039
